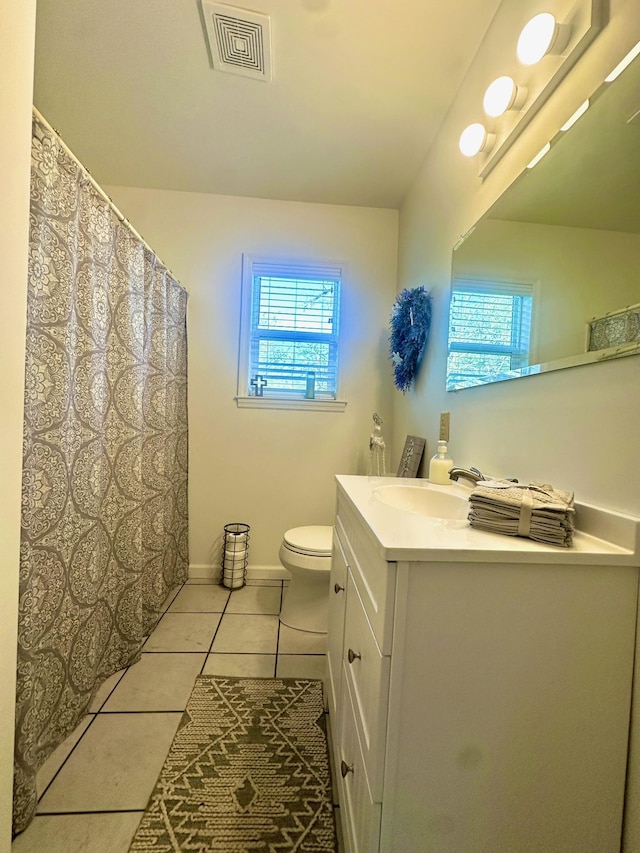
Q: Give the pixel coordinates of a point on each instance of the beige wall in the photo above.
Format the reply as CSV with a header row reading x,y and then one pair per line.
x,y
579,273
576,428
16,72
271,469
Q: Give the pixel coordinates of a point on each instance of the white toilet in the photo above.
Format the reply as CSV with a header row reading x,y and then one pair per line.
x,y
306,553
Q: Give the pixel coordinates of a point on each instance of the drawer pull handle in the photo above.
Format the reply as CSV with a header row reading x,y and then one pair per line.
x,y
337,588
345,768
353,656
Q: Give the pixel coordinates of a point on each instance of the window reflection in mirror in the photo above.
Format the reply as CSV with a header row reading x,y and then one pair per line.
x,y
571,227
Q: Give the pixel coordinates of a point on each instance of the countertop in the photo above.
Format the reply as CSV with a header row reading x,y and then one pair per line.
x,y
602,537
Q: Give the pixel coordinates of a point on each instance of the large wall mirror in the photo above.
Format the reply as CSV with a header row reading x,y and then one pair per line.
x,y
550,277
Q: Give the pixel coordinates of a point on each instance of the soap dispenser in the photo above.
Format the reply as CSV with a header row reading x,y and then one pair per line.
x,y
440,466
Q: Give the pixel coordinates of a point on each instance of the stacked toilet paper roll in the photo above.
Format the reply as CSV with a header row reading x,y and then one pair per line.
x,y
235,555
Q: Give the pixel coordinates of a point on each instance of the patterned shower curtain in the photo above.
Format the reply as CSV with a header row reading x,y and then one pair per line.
x,y
104,514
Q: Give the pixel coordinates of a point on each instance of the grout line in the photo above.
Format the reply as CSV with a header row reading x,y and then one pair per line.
x,y
91,811
157,711
56,774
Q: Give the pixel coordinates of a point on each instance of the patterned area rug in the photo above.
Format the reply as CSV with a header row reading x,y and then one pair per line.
x,y
248,770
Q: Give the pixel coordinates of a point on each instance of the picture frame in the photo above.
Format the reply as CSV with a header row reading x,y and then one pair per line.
x,y
411,456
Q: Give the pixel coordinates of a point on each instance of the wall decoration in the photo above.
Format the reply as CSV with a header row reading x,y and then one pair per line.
x,y
614,329
377,465
411,456
410,322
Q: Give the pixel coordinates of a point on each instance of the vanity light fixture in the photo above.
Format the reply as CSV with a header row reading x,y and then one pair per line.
x,y
628,59
503,95
539,156
584,106
560,38
474,139
542,35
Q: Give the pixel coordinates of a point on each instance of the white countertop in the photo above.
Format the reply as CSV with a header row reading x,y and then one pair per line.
x,y
602,537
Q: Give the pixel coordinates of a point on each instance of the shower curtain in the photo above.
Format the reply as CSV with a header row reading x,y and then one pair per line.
x,y
104,513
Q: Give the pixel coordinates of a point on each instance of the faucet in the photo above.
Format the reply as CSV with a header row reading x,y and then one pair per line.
x,y
471,474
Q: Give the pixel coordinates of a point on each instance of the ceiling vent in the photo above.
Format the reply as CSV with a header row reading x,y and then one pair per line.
x,y
239,40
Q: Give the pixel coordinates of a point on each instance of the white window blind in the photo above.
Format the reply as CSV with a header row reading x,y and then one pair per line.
x,y
489,331
292,341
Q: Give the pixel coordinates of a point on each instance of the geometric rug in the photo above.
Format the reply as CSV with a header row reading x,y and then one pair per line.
x,y
248,770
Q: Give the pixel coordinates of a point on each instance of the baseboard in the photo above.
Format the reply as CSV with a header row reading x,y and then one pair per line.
x,y
212,573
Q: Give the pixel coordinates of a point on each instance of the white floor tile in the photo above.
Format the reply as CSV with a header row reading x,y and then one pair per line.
x,y
301,666
104,691
78,833
294,642
247,633
166,603
115,765
183,632
255,599
57,758
158,682
200,598
249,666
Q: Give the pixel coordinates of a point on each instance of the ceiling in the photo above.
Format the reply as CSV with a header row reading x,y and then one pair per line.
x,y
359,90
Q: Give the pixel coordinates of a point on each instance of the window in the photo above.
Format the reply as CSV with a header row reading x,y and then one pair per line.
x,y
289,334
489,331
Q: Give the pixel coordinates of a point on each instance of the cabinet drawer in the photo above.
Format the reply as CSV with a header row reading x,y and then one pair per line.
x,y
359,813
367,674
335,630
373,575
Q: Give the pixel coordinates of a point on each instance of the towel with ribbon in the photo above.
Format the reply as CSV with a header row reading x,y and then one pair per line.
x,y
535,510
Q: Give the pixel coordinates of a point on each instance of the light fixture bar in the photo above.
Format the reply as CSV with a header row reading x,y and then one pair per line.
x,y
628,59
567,35
539,156
574,118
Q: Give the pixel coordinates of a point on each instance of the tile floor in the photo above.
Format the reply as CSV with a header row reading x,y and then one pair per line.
x,y
94,788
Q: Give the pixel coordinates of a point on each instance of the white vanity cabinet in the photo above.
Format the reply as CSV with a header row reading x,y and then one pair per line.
x,y
477,706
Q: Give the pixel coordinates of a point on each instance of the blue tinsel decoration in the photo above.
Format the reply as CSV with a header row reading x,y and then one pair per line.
x,y
410,322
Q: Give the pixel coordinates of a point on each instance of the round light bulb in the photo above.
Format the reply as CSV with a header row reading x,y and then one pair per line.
x,y
499,96
536,38
472,139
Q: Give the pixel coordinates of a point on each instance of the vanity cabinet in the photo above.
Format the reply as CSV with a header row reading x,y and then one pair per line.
x,y
476,705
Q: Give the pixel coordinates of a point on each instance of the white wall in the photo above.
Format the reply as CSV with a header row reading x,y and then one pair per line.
x,y
271,469
576,428
17,35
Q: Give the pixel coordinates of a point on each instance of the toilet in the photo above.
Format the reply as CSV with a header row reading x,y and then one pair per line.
x,y
306,553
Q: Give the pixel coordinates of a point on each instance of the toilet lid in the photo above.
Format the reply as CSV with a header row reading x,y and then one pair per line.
x,y
315,539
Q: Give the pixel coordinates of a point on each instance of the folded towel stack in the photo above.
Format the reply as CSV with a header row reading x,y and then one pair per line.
x,y
537,511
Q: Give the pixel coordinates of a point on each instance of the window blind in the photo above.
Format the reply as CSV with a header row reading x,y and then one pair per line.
x,y
294,328
489,330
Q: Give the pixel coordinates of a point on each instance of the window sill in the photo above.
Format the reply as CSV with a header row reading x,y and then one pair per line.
x,y
317,405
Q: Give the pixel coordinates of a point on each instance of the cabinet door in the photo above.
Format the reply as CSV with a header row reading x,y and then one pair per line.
x,y
360,815
335,630
367,674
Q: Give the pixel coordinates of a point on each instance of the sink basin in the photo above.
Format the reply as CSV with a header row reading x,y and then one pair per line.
x,y
429,502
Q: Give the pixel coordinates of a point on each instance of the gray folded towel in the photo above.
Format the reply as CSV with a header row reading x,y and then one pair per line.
x,y
536,511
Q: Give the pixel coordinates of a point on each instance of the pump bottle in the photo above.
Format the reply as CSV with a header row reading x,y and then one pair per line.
x,y
440,466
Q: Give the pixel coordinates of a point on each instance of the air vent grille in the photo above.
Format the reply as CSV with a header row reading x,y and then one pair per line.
x,y
239,40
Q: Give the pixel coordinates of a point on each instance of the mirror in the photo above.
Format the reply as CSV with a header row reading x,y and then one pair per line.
x,y
562,246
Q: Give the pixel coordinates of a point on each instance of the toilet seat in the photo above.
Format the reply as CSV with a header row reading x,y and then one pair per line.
x,y
312,541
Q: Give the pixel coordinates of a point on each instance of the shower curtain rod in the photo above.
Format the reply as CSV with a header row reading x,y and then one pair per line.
x,y
116,211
